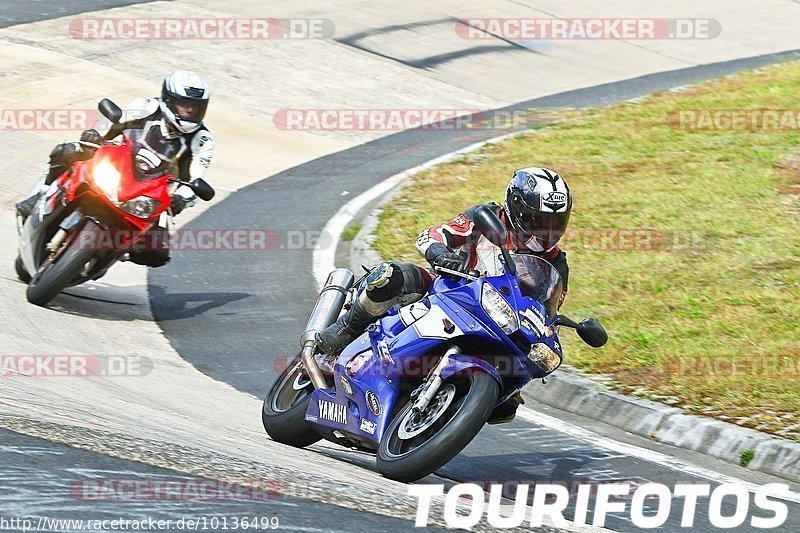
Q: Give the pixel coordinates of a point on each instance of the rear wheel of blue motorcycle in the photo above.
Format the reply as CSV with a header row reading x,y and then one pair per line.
x,y
284,410
415,446
65,268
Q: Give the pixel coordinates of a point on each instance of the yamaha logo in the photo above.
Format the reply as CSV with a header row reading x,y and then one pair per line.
x,y
335,412
373,403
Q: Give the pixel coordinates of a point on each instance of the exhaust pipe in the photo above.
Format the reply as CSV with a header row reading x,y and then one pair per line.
x,y
326,311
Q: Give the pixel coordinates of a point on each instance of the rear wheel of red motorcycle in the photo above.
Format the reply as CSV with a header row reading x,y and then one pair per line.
x,y
416,445
46,284
284,410
22,274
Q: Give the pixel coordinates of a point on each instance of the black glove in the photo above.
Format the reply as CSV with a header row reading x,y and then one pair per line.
x,y
450,261
177,204
91,140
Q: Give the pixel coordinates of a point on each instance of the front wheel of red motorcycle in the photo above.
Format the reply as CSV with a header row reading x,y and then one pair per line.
x,y
65,267
22,274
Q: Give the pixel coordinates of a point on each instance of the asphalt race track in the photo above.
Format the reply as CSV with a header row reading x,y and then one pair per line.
x,y
237,316
22,11
36,472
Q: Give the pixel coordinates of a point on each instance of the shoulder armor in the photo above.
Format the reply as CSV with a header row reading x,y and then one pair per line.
x,y
140,108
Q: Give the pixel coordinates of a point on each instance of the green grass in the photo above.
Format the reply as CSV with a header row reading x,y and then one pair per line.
x,y
351,231
746,457
702,294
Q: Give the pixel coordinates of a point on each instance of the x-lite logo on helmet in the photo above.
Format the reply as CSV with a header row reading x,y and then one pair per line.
x,y
552,189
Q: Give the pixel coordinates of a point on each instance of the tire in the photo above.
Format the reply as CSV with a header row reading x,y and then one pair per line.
x,y
410,459
48,284
22,274
284,411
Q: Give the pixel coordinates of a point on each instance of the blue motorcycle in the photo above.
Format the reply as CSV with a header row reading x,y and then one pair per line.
x,y
421,382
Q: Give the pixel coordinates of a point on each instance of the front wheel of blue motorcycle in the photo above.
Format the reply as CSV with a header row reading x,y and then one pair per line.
x,y
417,444
284,411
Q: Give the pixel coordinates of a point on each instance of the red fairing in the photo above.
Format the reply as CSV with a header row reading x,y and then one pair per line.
x,y
121,158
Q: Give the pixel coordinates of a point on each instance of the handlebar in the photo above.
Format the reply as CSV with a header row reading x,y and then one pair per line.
x,y
455,273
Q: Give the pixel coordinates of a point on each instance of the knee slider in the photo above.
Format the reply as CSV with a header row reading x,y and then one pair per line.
x,y
385,282
57,155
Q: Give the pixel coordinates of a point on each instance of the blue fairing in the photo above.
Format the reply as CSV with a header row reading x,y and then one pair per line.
x,y
370,372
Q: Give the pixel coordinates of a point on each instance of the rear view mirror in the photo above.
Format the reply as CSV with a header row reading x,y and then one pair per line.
x,y
592,332
202,189
110,110
488,224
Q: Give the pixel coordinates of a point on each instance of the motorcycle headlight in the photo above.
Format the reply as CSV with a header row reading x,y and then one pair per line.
x,y
106,177
498,309
141,206
544,357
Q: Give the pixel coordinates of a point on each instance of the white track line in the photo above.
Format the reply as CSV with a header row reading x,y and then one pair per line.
x,y
651,456
324,258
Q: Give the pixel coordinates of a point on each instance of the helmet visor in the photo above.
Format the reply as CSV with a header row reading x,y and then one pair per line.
x,y
546,228
189,109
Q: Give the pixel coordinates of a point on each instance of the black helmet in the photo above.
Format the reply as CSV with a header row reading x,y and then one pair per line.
x,y
538,204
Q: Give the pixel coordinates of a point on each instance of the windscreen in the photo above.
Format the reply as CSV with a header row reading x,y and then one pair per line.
x,y
539,280
153,154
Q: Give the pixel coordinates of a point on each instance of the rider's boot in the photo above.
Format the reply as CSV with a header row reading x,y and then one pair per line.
x,y
382,286
62,156
350,325
25,206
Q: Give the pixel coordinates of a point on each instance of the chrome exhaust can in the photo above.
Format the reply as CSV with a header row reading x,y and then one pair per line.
x,y
329,303
327,309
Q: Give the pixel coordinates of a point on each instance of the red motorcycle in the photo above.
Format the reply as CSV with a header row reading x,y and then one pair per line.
x,y
100,209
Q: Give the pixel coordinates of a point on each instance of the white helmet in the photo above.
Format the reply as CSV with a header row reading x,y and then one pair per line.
x,y
184,100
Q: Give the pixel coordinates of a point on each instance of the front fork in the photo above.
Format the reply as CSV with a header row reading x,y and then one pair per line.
x,y
432,383
65,227
31,234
